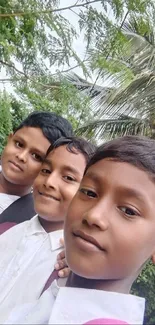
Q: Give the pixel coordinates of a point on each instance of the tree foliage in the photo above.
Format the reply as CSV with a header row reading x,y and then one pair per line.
x,y
31,38
60,97
34,39
12,112
35,35
5,119
144,286
127,105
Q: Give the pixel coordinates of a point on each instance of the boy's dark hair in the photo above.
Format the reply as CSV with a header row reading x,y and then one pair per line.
x,y
74,144
52,125
136,150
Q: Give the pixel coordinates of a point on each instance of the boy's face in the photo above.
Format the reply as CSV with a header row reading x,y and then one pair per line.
x,y
110,225
22,157
57,183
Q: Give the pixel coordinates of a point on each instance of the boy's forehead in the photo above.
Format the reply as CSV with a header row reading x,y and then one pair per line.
x,y
65,153
29,130
67,158
121,174
31,133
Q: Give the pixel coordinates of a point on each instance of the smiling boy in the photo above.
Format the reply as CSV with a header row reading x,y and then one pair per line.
x,y
21,162
28,251
59,180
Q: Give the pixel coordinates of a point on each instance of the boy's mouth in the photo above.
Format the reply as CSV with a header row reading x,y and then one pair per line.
x,y
17,166
87,238
48,196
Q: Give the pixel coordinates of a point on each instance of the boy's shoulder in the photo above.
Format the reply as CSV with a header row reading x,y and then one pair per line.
x,y
6,226
19,211
15,231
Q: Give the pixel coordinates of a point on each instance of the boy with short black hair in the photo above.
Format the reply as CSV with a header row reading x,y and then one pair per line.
x,y
109,237
21,161
28,251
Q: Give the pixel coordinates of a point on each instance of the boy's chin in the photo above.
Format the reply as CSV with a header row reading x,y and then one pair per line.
x,y
81,270
48,218
14,179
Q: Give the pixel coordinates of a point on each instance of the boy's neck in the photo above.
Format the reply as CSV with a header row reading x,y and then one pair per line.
x,y
120,286
50,226
12,189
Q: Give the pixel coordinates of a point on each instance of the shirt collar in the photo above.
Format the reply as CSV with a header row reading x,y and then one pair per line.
x,y
55,237
35,227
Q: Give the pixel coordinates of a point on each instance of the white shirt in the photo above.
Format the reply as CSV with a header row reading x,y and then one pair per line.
x,y
27,258
6,199
77,306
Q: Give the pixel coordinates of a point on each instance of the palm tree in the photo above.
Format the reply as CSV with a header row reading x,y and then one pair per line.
x,y
129,106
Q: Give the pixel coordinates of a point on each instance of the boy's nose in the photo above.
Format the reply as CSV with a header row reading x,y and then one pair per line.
x,y
52,181
22,156
97,216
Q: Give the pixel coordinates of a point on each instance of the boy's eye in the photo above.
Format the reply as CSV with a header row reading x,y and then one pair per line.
x,y
129,211
18,144
69,178
37,157
87,192
45,171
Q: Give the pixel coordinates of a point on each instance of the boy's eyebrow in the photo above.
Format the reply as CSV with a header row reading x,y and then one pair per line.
x,y
65,167
133,193
72,169
19,137
94,177
125,191
35,149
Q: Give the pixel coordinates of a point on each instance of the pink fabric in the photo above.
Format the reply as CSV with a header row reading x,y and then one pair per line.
x,y
5,226
105,321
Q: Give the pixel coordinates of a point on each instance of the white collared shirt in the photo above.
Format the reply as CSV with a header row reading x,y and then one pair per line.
x,y
77,306
27,258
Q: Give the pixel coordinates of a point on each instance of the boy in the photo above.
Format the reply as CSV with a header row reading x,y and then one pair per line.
x,y
21,161
109,237
28,251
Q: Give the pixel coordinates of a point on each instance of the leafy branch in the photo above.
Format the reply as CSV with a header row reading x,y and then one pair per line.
x,y
14,14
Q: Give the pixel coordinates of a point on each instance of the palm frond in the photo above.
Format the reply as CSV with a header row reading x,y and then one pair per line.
x,y
85,86
137,99
129,106
110,128
141,34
